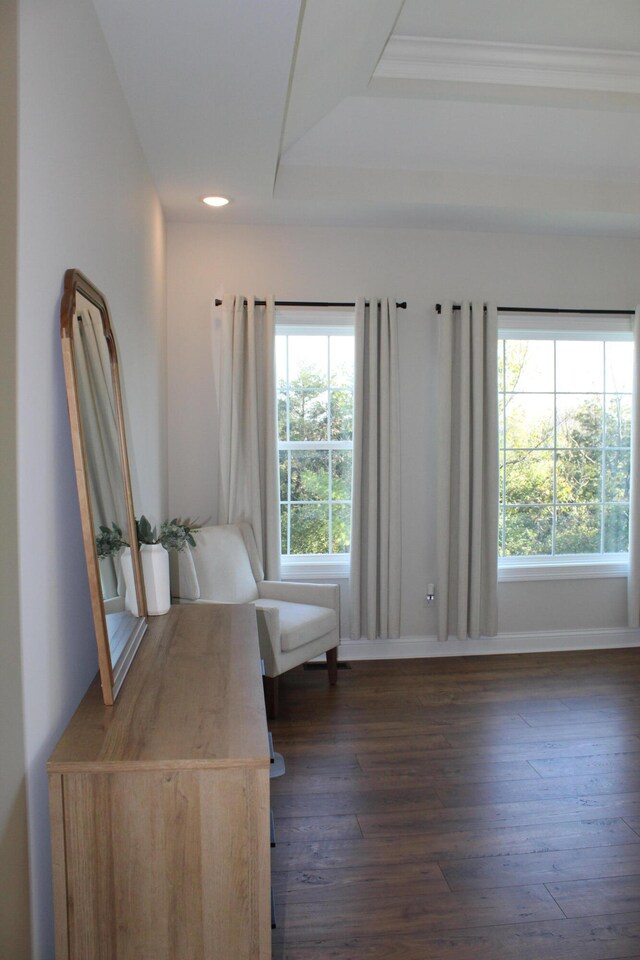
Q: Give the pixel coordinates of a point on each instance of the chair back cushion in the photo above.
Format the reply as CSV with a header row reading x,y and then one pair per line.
x,y
222,566
183,576
250,543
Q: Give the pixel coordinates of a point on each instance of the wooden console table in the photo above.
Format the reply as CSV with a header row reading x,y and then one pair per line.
x,y
160,803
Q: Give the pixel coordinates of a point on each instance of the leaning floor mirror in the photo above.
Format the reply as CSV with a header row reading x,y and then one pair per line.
x,y
102,474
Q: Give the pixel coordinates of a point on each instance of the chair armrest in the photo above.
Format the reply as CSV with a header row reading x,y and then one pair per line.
x,y
318,594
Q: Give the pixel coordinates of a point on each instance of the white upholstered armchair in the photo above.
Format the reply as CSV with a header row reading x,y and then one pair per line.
x,y
296,621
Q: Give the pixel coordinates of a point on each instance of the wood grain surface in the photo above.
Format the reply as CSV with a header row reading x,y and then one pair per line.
x,y
460,809
193,698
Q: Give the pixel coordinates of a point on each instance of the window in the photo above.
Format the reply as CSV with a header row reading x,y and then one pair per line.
x,y
565,429
314,375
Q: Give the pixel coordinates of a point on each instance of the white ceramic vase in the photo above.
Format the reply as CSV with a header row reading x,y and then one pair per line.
x,y
155,571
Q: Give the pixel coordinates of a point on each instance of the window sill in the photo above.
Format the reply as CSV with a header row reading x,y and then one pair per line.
x,y
315,568
585,568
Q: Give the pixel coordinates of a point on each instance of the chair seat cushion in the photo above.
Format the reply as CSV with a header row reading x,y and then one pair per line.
x,y
300,623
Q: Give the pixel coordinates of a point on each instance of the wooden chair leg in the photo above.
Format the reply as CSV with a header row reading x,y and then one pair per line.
x,y
271,696
332,666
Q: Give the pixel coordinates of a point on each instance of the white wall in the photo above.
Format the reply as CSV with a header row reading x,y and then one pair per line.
x,y
85,200
14,881
422,267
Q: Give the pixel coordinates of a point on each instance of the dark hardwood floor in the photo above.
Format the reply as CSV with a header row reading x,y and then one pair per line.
x,y
460,809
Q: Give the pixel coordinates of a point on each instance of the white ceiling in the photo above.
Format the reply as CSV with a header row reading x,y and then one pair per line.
x,y
596,24
276,105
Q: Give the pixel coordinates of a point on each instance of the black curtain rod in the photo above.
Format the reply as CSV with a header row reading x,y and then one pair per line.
x,y
555,310
311,303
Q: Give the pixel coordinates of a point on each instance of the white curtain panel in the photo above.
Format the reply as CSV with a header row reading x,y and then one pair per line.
x,y
467,472
633,583
375,524
248,444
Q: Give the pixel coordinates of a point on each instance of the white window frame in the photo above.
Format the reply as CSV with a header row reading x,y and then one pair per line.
x,y
568,566
315,321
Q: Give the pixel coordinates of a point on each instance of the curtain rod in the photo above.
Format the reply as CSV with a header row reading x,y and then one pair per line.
x,y
310,303
554,310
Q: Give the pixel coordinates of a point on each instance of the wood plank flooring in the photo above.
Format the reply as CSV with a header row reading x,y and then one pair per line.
x,y
460,809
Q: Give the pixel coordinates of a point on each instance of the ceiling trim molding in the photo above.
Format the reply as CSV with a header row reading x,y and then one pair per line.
x,y
427,58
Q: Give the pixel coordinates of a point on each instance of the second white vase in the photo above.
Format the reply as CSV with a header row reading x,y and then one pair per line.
x,y
155,572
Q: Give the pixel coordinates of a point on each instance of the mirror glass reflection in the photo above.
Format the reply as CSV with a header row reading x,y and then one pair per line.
x,y
102,453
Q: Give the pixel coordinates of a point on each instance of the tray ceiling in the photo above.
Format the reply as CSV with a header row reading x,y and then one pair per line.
x,y
478,114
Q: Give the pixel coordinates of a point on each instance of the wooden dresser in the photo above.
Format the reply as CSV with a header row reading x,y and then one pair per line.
x,y
160,803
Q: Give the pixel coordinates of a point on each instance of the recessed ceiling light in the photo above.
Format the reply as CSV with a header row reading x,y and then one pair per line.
x,y
215,201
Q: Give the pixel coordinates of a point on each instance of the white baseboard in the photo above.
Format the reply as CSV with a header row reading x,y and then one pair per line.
x,y
539,642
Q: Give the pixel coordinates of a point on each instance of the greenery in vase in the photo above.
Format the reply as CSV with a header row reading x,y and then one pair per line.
x,y
109,541
174,534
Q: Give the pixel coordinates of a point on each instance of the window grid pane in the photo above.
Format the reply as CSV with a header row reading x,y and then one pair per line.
x,y
504,440
603,463
316,500
555,445
587,443
329,435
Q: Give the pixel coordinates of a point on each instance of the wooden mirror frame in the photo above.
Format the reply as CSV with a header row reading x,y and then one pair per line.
x,y
111,674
